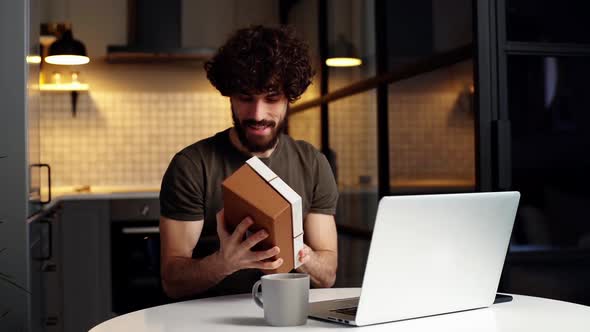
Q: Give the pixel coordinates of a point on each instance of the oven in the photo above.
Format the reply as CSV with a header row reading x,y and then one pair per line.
x,y
135,255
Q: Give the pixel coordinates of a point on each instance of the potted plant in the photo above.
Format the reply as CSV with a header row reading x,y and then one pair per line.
x,y
9,280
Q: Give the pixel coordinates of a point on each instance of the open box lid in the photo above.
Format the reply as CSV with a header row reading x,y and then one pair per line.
x,y
284,190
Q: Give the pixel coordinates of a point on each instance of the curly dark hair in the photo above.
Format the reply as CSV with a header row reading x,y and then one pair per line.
x,y
260,59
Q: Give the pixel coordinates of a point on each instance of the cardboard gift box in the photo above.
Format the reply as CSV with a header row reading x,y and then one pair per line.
x,y
255,190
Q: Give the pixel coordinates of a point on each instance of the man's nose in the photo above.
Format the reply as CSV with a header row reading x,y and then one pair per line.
x,y
258,110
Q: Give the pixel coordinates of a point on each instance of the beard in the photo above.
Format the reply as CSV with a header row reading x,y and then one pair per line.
x,y
258,144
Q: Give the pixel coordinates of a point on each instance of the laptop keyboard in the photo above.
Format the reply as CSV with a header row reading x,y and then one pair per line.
x,y
346,311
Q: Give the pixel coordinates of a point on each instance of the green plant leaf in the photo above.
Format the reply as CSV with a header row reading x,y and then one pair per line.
x,y
7,279
4,314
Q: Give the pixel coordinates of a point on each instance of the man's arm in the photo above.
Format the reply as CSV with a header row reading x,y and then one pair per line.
x,y
320,255
181,275
184,276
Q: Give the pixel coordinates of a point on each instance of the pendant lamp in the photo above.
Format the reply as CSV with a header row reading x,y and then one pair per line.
x,y
67,51
343,54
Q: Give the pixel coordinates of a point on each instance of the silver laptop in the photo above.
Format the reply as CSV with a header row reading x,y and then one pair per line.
x,y
430,255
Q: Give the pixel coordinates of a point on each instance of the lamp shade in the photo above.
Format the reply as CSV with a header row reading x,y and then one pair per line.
x,y
343,54
67,51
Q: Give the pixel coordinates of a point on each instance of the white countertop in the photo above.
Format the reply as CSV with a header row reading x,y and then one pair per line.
x,y
73,193
91,190
96,195
239,313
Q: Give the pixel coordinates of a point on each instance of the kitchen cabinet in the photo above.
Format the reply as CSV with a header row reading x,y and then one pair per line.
x,y
80,286
17,110
70,266
209,23
43,278
83,263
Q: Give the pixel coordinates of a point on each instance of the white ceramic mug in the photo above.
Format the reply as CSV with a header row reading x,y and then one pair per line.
x,y
284,298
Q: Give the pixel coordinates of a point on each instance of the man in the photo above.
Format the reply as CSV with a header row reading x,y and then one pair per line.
x,y
261,70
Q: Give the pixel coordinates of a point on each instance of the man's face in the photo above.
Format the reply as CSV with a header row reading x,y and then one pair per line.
x,y
258,119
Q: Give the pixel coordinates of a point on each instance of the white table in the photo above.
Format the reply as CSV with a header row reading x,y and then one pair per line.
x,y
239,313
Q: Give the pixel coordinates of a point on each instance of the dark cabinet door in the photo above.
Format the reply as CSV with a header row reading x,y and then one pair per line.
x,y
40,255
36,282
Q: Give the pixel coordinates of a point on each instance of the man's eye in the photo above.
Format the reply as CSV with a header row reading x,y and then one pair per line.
x,y
272,99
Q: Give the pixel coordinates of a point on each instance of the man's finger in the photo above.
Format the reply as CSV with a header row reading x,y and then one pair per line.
x,y
221,230
262,255
268,265
254,239
240,231
305,251
304,259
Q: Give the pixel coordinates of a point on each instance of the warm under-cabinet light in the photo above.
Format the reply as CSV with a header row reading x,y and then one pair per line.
x,y
343,62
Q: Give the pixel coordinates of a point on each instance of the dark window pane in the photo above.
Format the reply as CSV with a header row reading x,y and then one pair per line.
x,y
419,29
431,131
549,103
351,32
353,145
548,21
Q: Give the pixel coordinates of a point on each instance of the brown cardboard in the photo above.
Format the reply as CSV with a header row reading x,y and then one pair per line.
x,y
246,193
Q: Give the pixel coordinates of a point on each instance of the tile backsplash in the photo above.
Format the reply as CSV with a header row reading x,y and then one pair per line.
x,y
124,138
431,132
432,129
432,141
353,139
127,138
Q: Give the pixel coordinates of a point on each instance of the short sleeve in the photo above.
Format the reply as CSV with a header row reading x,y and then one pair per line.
x,y
325,192
182,191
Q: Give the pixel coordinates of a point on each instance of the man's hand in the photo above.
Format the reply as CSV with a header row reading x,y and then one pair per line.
x,y
305,254
320,253
236,253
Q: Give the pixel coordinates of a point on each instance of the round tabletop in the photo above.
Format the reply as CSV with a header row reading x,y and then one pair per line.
x,y
239,313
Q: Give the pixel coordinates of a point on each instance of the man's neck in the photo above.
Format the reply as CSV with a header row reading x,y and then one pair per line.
x,y
235,141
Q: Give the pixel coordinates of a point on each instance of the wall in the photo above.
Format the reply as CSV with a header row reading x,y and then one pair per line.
x,y
135,116
431,117
431,130
205,23
162,107
451,24
124,138
306,125
431,120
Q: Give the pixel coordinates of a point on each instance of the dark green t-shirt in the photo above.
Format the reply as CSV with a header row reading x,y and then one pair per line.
x,y
191,189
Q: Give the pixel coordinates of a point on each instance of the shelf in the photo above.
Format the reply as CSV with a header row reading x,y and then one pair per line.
x,y
74,89
64,87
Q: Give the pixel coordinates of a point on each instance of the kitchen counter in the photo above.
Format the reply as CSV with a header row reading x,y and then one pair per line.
x,y
89,224
98,193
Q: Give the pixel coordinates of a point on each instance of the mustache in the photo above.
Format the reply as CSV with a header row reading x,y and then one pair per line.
x,y
252,122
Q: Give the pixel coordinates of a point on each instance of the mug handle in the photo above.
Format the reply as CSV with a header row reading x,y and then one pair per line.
x,y
256,293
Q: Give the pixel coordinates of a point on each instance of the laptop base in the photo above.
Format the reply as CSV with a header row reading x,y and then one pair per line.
x,y
335,311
